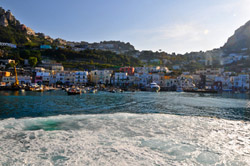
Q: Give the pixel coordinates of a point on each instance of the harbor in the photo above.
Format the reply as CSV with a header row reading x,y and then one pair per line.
x,y
125,83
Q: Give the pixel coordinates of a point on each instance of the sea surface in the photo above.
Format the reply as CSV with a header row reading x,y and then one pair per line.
x,y
142,128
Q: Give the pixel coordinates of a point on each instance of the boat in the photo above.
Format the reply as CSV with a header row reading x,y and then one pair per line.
x,y
179,89
22,90
153,87
39,89
74,91
83,91
50,89
93,91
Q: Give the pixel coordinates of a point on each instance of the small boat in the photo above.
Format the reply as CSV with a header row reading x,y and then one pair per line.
x,y
39,89
83,91
73,91
153,87
22,90
179,89
93,91
112,91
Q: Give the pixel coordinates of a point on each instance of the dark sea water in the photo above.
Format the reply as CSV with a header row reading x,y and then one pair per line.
x,y
143,128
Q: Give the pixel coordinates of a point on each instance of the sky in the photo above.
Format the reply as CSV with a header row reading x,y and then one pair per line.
x,y
169,25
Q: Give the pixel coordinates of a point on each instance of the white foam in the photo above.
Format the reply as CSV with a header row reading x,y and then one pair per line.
x,y
124,139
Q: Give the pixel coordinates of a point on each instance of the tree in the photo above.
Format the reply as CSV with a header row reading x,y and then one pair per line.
x,y
33,61
61,57
25,54
37,54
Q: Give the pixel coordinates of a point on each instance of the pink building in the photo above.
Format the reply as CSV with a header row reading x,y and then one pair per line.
x,y
129,70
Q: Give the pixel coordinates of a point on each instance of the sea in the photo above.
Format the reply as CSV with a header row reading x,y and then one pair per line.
x,y
119,129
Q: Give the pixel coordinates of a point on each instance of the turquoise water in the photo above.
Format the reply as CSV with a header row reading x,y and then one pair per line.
x,y
31,104
143,128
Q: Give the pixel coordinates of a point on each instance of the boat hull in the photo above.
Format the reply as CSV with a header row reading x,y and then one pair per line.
x,y
74,93
153,89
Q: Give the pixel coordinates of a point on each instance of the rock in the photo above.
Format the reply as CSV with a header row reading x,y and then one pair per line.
x,y
3,21
30,31
2,11
10,17
240,39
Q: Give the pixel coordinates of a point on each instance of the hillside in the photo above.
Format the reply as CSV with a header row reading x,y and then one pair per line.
x,y
107,54
240,40
234,55
12,31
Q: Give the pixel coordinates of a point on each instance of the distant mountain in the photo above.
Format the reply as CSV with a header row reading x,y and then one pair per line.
x,y
240,40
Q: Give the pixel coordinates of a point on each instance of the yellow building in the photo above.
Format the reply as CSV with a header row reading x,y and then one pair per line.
x,y
100,76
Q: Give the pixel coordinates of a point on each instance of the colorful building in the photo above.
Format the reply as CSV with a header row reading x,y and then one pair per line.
x,y
129,70
101,76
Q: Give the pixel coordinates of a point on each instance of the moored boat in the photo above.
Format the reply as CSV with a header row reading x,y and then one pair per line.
x,y
93,91
179,89
153,87
74,91
39,89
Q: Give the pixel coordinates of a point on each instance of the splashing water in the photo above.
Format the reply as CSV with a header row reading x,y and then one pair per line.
x,y
124,129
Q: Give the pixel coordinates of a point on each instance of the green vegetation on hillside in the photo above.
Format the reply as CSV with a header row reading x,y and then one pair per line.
x,y
94,56
13,35
71,59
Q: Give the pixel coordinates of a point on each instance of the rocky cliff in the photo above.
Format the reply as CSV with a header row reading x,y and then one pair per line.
x,y
240,40
7,18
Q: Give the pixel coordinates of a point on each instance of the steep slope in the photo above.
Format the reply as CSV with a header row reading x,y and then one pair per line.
x,y
12,31
240,39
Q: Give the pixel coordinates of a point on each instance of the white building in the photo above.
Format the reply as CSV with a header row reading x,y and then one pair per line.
x,y
145,79
81,77
101,76
121,79
24,79
226,82
8,45
186,82
43,77
172,82
69,78
155,78
241,82
59,77
9,80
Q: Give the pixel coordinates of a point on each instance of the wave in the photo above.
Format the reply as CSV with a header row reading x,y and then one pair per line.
x,y
124,139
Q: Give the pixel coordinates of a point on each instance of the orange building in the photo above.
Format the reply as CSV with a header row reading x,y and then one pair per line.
x,y
4,74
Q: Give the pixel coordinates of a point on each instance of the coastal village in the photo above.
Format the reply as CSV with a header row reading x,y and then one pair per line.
x,y
115,64
52,74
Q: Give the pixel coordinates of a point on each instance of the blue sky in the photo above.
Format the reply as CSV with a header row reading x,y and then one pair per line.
x,y
171,25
